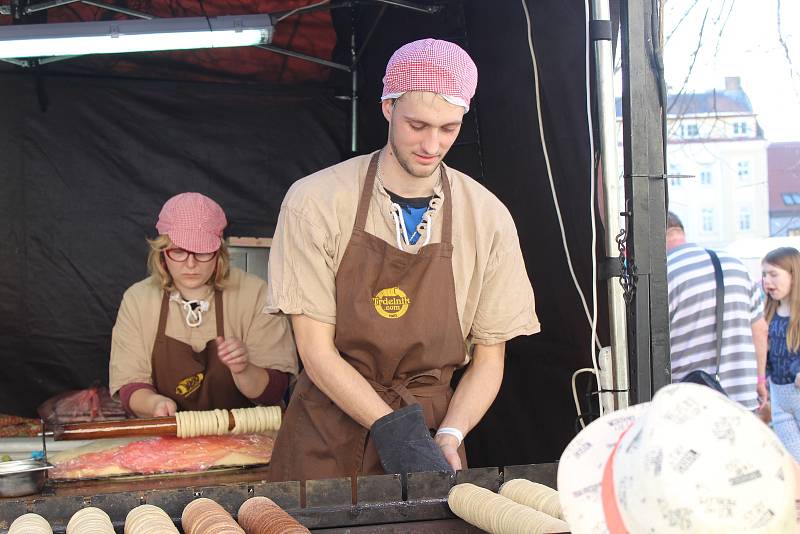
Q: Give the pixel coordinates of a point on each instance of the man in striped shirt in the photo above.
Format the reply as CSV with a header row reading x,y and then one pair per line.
x,y
692,319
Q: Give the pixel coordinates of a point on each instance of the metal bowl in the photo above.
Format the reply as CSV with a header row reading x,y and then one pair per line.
x,y
22,477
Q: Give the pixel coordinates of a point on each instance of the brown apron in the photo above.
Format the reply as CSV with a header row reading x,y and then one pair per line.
x,y
397,324
194,380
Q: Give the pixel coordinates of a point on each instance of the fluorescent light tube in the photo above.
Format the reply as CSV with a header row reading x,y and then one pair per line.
x,y
112,37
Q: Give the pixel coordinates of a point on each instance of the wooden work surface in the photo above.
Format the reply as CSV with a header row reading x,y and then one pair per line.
x,y
166,481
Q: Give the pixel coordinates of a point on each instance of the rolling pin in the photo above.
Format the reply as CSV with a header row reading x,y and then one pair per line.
x,y
156,426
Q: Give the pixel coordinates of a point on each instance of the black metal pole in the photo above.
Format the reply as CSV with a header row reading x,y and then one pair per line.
x,y
645,196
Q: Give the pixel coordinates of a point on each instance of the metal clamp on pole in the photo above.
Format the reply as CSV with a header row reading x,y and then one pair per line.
x,y
600,30
609,268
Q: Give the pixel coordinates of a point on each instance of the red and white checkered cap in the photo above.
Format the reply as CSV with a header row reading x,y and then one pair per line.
x,y
431,65
193,222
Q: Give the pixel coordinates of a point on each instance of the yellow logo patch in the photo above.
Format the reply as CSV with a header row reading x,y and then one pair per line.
x,y
391,303
189,385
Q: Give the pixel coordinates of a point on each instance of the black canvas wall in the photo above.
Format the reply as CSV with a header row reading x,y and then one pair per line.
x,y
535,404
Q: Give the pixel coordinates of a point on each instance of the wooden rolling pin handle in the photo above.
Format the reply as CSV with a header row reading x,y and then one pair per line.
x,y
155,426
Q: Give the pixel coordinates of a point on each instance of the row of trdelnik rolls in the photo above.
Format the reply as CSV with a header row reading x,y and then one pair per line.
x,y
520,507
258,515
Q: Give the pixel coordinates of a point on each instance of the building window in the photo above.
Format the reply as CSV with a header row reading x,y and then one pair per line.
x,y
743,171
791,199
740,128
705,176
674,180
745,219
708,219
692,130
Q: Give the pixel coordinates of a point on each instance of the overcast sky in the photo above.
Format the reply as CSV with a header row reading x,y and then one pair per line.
x,y
740,38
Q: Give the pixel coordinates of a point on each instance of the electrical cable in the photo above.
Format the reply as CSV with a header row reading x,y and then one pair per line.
x,y
550,174
592,192
591,317
575,393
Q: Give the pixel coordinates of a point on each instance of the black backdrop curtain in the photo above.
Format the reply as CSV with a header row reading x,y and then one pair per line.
x,y
82,185
88,161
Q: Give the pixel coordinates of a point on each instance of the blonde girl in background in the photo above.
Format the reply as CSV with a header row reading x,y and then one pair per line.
x,y
781,279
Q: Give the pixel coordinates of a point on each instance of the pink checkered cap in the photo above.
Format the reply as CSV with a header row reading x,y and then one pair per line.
x,y
431,65
193,222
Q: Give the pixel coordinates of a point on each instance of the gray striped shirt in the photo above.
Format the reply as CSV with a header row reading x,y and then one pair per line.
x,y
692,319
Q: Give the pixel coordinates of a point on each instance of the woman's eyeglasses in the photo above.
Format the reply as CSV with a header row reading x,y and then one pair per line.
x,y
181,255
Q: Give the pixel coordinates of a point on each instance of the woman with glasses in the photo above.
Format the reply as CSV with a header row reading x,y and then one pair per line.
x,y
194,334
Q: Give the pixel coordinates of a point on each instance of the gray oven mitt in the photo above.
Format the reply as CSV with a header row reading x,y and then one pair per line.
x,y
404,443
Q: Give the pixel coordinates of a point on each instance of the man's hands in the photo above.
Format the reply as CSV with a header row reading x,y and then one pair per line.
x,y
404,443
475,393
233,353
449,447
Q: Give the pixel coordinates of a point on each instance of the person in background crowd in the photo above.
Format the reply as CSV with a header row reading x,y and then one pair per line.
x,y
194,335
692,319
781,279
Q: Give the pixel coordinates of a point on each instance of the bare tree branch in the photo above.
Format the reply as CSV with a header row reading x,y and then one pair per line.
x,y
722,28
678,24
719,14
691,65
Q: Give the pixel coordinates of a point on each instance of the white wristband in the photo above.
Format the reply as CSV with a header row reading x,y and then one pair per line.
x,y
451,431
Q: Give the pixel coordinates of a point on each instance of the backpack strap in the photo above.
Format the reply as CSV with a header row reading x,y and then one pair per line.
x,y
720,293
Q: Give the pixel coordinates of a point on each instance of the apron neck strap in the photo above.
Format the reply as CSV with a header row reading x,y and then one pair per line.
x,y
447,225
218,313
369,185
366,192
162,318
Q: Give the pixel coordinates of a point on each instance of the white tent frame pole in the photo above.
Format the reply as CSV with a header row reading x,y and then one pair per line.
x,y
607,120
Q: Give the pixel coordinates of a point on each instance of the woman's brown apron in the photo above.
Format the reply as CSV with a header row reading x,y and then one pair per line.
x,y
194,380
397,324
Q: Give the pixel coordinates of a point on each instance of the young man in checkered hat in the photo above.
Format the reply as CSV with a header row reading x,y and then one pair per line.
x,y
390,265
